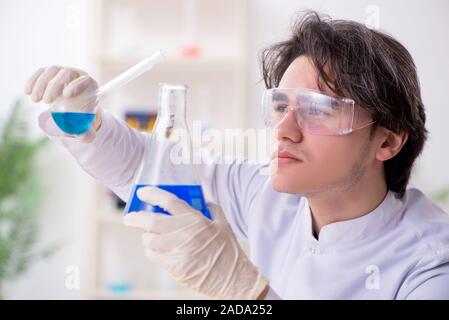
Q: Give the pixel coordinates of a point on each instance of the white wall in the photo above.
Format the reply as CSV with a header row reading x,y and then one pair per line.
x,y
422,26
34,34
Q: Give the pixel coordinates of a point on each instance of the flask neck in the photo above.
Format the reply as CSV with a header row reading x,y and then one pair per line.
x,y
172,101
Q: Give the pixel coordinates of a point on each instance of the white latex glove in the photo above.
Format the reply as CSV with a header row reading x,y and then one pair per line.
x,y
47,84
201,254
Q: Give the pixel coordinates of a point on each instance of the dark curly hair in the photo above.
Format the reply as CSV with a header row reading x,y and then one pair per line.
x,y
368,66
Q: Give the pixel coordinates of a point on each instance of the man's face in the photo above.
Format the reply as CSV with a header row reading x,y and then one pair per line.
x,y
323,163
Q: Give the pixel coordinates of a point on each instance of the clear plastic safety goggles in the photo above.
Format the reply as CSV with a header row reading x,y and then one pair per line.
x,y
315,112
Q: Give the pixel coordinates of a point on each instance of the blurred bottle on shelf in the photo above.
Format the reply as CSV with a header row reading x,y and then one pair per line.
x,y
190,48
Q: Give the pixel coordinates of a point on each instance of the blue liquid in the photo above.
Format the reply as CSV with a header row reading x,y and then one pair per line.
x,y
73,122
192,194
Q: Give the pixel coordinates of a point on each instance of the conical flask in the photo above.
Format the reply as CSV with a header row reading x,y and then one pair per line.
x,y
167,163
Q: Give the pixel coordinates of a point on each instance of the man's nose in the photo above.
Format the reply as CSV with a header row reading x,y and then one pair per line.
x,y
288,129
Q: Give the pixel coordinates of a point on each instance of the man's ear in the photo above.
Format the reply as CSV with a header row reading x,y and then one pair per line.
x,y
391,144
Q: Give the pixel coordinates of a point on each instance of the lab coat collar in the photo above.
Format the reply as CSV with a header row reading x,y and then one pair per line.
x,y
341,233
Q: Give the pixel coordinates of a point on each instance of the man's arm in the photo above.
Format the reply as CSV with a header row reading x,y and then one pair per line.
x,y
436,288
114,153
234,184
430,279
112,157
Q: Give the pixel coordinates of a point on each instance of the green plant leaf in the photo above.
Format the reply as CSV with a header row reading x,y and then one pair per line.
x,y
20,198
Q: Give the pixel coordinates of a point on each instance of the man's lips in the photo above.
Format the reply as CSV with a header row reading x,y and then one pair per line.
x,y
284,157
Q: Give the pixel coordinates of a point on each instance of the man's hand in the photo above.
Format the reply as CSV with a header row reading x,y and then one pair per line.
x,y
201,254
67,84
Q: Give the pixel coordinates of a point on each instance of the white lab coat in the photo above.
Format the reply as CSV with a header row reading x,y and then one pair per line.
x,y
398,251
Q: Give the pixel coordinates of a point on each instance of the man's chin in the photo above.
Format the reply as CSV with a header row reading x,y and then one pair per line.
x,y
284,184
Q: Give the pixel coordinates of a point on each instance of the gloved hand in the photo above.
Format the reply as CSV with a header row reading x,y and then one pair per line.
x,y
47,84
201,254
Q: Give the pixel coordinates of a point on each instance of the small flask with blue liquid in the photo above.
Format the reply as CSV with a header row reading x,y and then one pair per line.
x,y
168,160
74,116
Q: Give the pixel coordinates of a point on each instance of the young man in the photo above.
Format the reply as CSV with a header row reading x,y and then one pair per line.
x,y
335,220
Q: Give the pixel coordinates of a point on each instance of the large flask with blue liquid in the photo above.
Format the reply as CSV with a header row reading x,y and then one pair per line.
x,y
168,160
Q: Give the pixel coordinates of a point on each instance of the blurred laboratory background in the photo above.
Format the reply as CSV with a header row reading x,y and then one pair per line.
x,y
69,241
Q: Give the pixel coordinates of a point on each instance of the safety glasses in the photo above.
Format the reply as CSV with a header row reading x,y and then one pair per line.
x,y
315,112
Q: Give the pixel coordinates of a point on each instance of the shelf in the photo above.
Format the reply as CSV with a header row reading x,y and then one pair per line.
x,y
142,294
124,33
